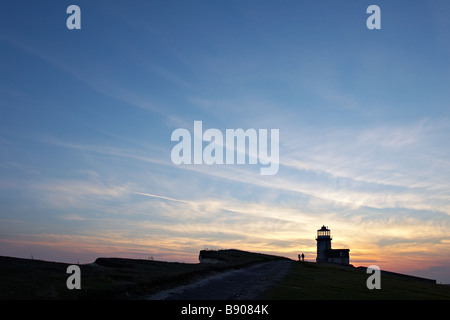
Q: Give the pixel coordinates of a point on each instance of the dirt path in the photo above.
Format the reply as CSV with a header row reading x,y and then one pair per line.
x,y
242,284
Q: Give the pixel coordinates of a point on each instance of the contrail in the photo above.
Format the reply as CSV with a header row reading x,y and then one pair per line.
x,y
165,198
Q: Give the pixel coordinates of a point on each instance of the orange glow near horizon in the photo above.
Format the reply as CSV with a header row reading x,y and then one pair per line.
x,y
85,249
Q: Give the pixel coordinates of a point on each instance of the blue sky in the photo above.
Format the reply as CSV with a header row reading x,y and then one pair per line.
x,y
86,118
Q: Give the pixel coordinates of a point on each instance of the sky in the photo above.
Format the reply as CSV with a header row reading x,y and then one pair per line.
x,y
87,115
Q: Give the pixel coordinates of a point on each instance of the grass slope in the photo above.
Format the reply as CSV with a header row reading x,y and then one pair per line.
x,y
117,278
322,281
111,278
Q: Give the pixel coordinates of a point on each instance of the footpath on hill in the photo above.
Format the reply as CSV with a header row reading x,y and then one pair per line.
x,y
242,284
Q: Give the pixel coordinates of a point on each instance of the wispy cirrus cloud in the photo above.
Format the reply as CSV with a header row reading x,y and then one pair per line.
x,y
140,152
72,217
393,161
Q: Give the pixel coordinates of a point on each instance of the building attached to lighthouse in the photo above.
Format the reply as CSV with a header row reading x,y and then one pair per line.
x,y
324,251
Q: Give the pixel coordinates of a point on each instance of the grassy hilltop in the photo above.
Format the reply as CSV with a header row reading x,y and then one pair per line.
x,y
113,278
308,280
118,278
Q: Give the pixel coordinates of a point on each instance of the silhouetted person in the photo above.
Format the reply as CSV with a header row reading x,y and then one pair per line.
x,y
303,257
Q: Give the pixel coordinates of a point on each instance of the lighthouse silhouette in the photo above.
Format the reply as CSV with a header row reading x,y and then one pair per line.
x,y
323,243
324,251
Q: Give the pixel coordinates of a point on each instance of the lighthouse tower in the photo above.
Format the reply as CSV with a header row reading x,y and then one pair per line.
x,y
323,244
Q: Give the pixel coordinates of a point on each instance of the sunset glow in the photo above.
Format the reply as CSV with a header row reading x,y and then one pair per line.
x,y
363,117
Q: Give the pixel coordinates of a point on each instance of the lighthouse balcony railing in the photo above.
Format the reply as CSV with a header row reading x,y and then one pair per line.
x,y
324,237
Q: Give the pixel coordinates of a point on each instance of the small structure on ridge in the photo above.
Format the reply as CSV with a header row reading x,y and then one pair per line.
x,y
324,251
